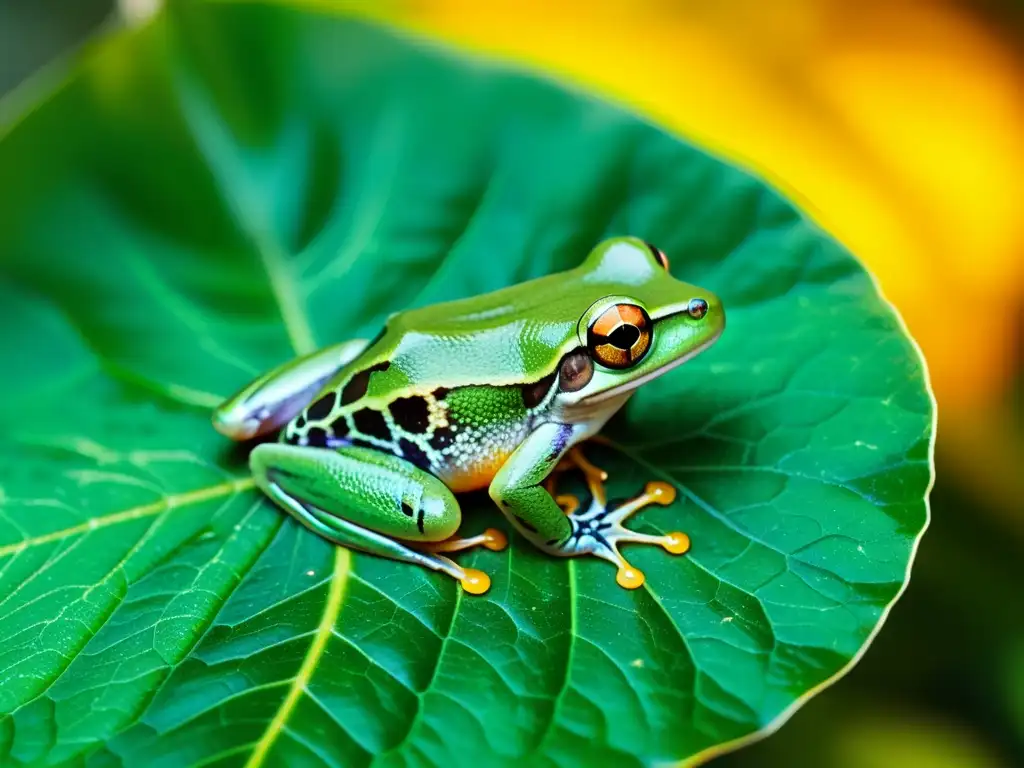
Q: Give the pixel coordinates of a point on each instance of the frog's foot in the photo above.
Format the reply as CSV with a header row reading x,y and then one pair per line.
x,y
595,478
600,531
473,581
492,539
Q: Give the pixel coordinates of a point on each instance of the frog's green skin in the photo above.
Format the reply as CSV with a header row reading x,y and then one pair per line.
x,y
491,391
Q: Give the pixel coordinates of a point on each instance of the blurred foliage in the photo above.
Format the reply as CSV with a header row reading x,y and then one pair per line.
x,y
34,32
901,125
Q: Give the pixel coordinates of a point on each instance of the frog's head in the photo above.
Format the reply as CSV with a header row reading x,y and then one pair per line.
x,y
640,324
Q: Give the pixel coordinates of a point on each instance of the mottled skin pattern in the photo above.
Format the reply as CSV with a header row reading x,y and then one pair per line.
x,y
490,392
462,436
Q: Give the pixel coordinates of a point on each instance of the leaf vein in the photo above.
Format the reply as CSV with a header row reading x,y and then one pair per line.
x,y
332,608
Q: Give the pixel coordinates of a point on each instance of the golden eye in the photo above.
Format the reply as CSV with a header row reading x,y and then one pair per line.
x,y
620,336
657,253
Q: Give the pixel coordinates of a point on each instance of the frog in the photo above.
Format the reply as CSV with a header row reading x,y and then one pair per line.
x,y
377,439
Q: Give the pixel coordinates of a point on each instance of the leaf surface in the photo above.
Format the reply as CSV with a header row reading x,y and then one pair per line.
x,y
233,184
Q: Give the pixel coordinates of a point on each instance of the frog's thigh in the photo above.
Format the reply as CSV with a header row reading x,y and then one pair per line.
x,y
368,488
365,500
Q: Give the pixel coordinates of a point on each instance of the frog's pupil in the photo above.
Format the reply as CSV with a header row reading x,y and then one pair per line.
x,y
625,336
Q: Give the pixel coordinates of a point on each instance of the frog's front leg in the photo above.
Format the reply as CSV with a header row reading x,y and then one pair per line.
x,y
373,502
519,491
276,397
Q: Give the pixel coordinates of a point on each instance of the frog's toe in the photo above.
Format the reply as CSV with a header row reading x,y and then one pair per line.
x,y
491,539
676,543
494,540
569,503
472,581
655,492
607,543
475,582
629,577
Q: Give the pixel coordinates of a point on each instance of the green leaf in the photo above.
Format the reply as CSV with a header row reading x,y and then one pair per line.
x,y
208,195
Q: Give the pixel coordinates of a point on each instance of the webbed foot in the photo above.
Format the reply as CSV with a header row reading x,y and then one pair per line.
x,y
600,530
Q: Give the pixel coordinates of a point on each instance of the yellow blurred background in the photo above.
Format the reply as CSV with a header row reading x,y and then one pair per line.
x,y
899,126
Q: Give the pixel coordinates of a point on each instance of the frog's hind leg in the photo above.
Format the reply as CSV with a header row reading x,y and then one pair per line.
x,y
369,501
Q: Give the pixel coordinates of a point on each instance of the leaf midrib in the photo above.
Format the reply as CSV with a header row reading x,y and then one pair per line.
x,y
298,328
324,631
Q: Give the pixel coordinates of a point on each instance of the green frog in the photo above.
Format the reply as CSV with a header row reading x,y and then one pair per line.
x,y
495,391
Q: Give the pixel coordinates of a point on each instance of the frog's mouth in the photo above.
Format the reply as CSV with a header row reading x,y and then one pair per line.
x,y
630,386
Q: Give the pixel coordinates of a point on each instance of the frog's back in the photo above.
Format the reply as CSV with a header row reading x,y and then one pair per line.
x,y
503,337
514,335
446,387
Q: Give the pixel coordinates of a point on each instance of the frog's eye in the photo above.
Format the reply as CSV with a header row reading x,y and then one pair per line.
x,y
620,336
657,253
